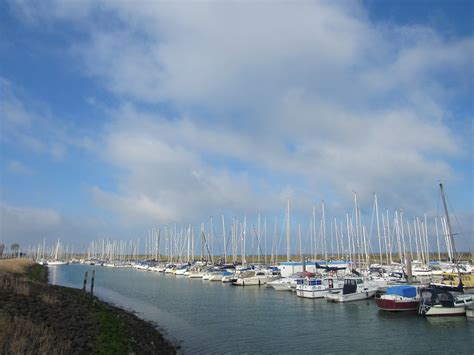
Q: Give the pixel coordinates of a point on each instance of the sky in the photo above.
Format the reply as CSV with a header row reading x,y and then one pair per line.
x,y
117,116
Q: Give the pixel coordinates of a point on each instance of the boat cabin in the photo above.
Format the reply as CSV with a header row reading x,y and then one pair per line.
x,y
437,296
350,285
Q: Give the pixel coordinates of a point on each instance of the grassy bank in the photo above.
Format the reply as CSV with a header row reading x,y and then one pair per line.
x,y
36,317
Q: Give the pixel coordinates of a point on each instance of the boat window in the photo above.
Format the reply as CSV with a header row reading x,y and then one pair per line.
x,y
443,297
426,295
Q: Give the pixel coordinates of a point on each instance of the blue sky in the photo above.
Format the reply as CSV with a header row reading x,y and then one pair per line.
x,y
117,116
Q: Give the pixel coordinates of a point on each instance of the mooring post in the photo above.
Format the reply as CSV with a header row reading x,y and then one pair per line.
x,y
85,282
92,282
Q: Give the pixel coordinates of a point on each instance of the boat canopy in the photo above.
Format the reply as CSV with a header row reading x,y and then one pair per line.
x,y
404,291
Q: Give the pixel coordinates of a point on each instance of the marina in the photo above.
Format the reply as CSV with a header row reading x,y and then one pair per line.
x,y
185,294
236,177
214,317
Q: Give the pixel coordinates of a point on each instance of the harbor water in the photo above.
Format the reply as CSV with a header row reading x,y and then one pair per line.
x,y
205,317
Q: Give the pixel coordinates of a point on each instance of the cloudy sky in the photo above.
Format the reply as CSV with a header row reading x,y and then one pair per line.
x,y
117,115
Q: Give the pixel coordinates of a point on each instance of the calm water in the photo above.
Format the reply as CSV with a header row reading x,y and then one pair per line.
x,y
211,317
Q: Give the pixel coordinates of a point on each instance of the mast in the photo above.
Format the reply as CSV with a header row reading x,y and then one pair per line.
x,y
450,233
288,250
265,240
299,236
437,238
389,239
323,221
427,242
225,245
258,239
314,233
378,227
57,251
244,259
189,244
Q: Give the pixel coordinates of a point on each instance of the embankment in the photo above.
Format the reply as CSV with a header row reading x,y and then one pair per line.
x,y
39,318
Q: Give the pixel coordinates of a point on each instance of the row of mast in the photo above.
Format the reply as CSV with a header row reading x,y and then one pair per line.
x,y
396,236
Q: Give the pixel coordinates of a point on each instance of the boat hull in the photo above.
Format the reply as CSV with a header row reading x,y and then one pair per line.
x,y
217,277
196,275
359,296
57,263
280,286
311,293
251,281
396,306
445,311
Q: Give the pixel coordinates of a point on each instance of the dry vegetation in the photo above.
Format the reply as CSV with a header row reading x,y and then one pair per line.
x,y
38,318
20,335
15,266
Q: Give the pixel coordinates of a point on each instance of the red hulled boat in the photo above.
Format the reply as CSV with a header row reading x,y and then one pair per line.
x,y
398,299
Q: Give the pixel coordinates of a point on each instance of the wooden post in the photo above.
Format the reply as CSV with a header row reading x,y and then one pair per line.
x,y
92,282
85,282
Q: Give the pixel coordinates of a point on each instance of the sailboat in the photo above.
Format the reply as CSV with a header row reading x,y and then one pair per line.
x,y
56,262
445,299
398,298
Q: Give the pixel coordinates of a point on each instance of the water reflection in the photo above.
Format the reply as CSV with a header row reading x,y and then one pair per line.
x,y
447,322
211,317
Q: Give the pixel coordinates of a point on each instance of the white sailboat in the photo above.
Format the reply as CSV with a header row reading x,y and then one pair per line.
x,y
56,261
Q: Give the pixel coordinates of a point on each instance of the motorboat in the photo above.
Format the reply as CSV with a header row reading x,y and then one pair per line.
x,y
451,279
170,269
216,275
318,287
228,276
196,272
354,289
441,302
181,270
254,278
290,283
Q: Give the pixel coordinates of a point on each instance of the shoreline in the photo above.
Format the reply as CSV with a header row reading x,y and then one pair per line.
x,y
38,317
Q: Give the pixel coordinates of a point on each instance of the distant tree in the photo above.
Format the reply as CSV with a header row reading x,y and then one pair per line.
x,y
2,249
15,247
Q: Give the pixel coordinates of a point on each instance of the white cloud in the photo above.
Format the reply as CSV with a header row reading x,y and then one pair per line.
x,y
29,225
364,107
311,94
29,124
20,223
18,167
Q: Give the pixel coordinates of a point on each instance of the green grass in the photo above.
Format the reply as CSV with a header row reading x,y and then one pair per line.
x,y
37,273
112,338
